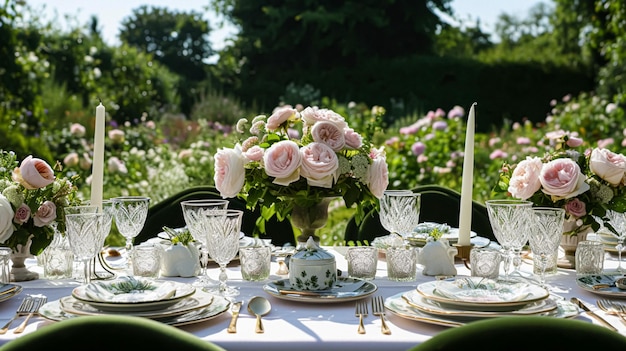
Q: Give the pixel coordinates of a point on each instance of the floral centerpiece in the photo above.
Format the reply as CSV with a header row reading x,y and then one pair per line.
x,y
32,199
586,184
298,158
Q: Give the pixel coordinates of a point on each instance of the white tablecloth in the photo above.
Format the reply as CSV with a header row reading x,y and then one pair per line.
x,y
307,326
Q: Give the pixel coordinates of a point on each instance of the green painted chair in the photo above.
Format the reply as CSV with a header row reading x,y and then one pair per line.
x,y
120,333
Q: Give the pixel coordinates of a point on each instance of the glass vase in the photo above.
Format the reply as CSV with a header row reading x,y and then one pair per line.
x,y
310,218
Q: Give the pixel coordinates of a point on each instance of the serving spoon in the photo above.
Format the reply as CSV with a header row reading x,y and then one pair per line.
x,y
259,306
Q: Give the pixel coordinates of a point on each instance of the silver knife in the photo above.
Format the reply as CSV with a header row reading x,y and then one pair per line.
x,y
232,327
593,314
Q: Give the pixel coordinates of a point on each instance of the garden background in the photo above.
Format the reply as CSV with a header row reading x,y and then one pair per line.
x,y
400,75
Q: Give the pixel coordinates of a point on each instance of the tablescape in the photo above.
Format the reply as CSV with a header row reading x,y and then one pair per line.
x,y
130,214
312,268
219,305
259,306
22,309
399,211
592,313
299,158
361,312
38,301
604,285
378,309
618,222
86,237
401,263
146,260
223,245
546,228
586,183
32,199
477,293
509,220
362,262
234,310
613,308
589,257
437,256
397,305
345,289
197,215
485,262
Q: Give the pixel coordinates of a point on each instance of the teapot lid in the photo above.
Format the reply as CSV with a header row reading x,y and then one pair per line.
x,y
312,251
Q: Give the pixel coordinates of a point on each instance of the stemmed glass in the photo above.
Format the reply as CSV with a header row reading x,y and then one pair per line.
x,y
86,237
509,220
617,220
130,214
195,213
399,211
223,245
546,229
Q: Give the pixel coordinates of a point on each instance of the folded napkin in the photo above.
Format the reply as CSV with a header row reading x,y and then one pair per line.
x,y
130,289
482,290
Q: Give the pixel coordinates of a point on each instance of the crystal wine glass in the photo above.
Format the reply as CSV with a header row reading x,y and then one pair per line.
x,y
86,237
399,211
130,216
617,220
223,245
546,229
509,220
195,213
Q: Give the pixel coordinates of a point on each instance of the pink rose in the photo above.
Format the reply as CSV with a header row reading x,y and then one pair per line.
x,y
85,162
46,214
22,214
6,219
34,173
525,178
576,208
312,115
230,173
279,116
71,159
255,153
319,164
573,141
328,133
353,139
608,165
562,179
117,136
77,129
282,160
378,177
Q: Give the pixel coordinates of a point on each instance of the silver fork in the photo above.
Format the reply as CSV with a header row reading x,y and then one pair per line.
x,y
38,301
24,307
361,311
614,308
378,309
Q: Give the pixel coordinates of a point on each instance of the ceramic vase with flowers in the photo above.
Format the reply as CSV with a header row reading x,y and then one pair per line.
x,y
585,183
32,199
291,163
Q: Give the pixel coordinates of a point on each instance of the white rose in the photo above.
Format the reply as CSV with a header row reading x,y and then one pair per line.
x,y
608,165
6,219
229,171
378,173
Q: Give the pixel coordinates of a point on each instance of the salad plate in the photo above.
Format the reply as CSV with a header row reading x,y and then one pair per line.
x,y
345,289
482,294
421,233
604,285
198,300
397,305
52,311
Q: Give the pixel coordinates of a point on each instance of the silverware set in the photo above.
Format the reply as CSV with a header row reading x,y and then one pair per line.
x,y
378,309
29,307
613,308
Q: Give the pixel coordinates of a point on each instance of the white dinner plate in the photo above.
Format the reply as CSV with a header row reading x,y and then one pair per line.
x,y
476,293
398,306
198,300
337,293
53,311
588,282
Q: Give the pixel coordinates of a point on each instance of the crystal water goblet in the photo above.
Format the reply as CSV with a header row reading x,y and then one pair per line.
x,y
399,211
86,237
223,245
509,220
617,228
546,228
130,213
195,213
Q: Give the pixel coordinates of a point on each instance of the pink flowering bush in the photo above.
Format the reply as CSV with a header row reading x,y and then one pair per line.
x,y
300,156
32,199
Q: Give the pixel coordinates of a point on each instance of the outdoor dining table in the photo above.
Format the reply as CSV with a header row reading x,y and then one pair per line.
x,y
297,325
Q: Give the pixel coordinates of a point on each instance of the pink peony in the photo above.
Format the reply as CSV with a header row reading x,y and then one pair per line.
x,y
525,178
562,179
319,164
282,160
34,173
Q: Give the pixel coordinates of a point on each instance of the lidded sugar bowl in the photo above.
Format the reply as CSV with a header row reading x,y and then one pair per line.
x,y
312,268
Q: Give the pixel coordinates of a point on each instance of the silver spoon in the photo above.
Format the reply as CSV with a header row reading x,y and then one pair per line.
x,y
259,306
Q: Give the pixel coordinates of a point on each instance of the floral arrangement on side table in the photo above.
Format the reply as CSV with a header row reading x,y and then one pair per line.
x,y
299,158
32,199
585,184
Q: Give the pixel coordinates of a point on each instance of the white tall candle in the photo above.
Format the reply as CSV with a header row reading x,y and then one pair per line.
x,y
97,167
465,216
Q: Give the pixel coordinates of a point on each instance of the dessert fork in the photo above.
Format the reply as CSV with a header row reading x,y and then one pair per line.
x,y
361,311
38,301
24,307
378,309
613,308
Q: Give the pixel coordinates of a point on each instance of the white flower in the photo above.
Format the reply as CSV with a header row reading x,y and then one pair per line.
x,y
6,219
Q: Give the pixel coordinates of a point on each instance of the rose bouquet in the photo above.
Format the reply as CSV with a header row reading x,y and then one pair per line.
x,y
32,199
299,157
585,184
